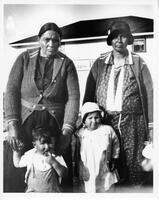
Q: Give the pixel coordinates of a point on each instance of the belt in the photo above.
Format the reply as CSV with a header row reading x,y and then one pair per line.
x,y
38,107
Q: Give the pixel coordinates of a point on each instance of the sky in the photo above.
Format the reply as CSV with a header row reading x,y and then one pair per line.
x,y
24,20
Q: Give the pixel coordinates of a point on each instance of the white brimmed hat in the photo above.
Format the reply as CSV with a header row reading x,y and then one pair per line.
x,y
89,107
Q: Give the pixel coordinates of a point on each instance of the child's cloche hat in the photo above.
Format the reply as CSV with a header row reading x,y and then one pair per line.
x,y
89,107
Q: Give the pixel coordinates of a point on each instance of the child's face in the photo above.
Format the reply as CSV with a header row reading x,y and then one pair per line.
x,y
43,147
93,120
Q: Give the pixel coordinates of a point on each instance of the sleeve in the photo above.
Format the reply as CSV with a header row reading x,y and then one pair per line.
x,y
89,95
13,97
115,145
24,160
76,155
72,105
148,91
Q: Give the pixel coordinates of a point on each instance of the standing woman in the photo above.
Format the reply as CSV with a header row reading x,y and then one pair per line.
x,y
42,89
120,82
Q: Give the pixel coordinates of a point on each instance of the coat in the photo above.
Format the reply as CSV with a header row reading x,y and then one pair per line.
x,y
61,97
143,79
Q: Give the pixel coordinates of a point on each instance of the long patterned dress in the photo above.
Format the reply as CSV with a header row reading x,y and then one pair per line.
x,y
130,121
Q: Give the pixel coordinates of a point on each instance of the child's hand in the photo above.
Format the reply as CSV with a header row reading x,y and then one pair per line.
x,y
52,148
49,158
84,172
103,166
147,165
113,164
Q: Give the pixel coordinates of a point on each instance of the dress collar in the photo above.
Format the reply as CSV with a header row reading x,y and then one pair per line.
x,y
110,60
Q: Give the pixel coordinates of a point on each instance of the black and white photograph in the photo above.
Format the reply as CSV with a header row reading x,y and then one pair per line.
x,y
79,99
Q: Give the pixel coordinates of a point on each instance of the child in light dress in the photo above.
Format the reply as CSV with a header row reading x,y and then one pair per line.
x,y
44,168
99,151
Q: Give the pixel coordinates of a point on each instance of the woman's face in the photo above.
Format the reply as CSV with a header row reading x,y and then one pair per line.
x,y
93,120
119,43
49,43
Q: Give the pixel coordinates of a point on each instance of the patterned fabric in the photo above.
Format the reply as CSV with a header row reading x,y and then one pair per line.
x,y
132,139
101,93
131,98
132,125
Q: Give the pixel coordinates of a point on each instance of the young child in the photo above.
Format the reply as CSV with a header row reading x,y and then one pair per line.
x,y
44,168
99,151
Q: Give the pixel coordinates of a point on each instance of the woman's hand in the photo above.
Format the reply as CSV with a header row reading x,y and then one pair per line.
x,y
113,164
13,134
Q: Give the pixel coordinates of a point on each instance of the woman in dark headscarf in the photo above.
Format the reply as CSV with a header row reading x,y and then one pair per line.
x,y
43,89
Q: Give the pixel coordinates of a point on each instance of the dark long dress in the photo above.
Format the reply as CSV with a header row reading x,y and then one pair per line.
x,y
14,177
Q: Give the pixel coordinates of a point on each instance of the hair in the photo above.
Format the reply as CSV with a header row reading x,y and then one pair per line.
x,y
41,132
45,133
50,26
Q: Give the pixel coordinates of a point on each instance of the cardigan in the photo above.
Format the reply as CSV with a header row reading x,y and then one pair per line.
x,y
61,96
142,76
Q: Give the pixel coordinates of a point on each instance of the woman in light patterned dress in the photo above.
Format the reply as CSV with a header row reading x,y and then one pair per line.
x,y
120,82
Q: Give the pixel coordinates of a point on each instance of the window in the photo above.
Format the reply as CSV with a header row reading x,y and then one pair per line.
x,y
139,45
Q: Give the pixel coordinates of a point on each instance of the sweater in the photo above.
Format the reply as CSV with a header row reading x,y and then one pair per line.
x,y
61,97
